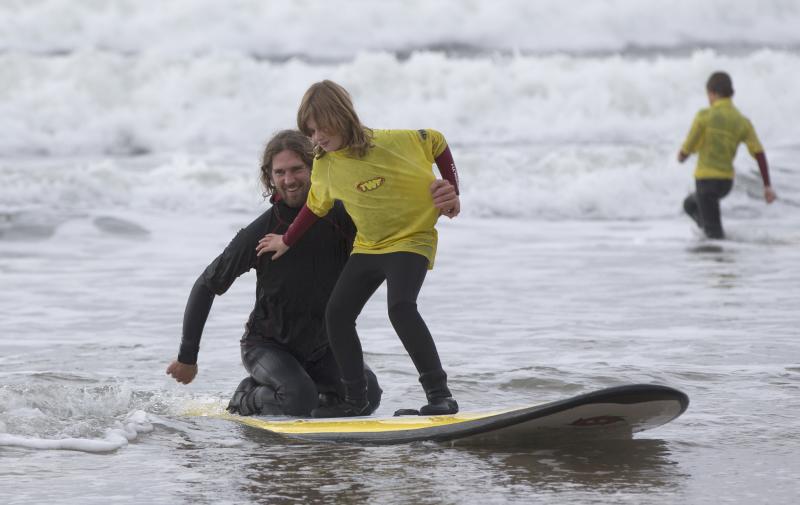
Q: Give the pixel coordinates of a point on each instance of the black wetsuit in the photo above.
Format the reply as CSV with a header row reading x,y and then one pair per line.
x,y
285,345
404,273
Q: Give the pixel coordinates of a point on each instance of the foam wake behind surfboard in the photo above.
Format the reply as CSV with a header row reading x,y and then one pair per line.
x,y
616,412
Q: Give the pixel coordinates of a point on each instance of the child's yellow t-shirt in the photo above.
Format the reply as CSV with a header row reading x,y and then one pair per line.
x,y
715,135
386,192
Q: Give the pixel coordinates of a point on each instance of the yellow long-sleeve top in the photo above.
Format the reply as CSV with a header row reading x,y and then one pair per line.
x,y
386,192
715,135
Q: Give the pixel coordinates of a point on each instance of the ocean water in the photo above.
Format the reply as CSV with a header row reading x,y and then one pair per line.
x,y
129,159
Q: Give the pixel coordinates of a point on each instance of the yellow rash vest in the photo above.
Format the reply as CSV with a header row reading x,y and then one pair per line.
x,y
386,192
715,135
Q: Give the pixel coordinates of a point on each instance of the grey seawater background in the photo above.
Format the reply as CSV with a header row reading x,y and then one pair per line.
x,y
129,159
523,311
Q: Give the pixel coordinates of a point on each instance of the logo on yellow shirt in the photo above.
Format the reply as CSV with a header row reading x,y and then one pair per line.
x,y
370,185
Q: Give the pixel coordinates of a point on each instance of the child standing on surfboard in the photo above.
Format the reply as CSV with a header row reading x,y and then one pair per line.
x,y
715,135
382,177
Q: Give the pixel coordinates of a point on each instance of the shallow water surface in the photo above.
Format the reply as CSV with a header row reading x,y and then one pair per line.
x,y
521,314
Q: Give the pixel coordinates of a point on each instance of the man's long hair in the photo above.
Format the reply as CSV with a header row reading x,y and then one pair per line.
x,y
292,140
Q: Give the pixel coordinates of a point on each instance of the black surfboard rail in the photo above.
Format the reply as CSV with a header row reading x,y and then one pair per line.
x,y
672,404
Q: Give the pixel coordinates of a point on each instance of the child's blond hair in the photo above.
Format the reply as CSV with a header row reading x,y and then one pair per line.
x,y
331,108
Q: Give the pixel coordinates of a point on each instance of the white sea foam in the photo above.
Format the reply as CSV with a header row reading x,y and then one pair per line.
x,y
112,107
565,125
92,102
112,439
319,28
199,86
52,410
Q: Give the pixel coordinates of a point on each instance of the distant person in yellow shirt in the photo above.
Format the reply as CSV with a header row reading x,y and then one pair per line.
x,y
715,135
382,178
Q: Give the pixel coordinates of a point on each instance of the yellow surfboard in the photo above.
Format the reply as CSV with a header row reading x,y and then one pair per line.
x,y
616,412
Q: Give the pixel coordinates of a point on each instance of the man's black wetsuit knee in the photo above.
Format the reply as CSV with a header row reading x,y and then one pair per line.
x,y
280,385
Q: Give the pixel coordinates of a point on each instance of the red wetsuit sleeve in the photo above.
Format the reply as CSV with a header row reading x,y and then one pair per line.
x,y
447,167
304,220
761,158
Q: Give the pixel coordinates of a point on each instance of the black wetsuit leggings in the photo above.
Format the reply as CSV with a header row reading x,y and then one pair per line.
x,y
279,384
404,273
703,205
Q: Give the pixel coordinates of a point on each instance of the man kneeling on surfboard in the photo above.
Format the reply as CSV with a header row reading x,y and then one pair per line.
x,y
285,345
